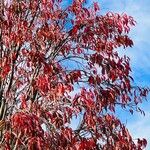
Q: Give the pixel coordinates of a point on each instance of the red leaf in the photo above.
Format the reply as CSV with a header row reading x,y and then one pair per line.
x,y
96,6
74,30
91,80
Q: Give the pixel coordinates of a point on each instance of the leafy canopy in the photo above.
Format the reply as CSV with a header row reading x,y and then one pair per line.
x,y
58,62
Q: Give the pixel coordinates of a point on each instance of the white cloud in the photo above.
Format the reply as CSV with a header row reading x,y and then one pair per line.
x,y
140,128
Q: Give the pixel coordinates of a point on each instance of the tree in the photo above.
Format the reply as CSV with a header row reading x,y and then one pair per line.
x,y
57,62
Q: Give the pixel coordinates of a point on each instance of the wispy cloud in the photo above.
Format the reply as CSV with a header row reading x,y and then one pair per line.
x,y
140,128
138,125
140,53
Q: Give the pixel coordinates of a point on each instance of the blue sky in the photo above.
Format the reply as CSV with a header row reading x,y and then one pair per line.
x,y
138,125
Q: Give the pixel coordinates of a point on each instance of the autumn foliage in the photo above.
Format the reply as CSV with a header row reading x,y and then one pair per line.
x,y
59,61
